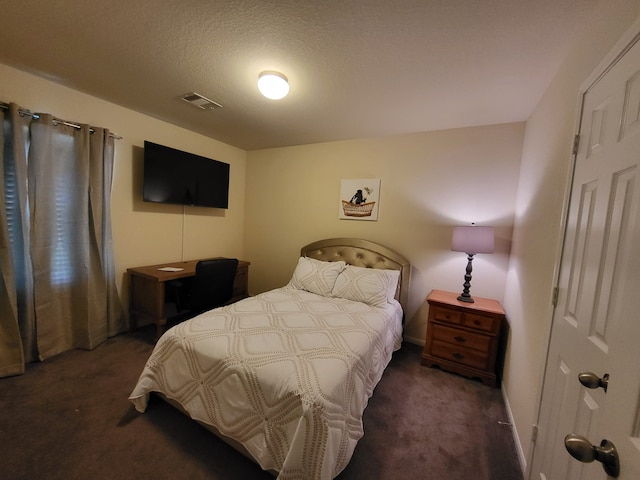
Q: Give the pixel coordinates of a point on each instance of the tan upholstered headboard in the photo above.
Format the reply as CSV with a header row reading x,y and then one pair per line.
x,y
363,253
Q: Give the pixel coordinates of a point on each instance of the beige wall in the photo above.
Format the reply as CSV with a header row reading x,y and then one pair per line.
x,y
429,183
143,233
537,235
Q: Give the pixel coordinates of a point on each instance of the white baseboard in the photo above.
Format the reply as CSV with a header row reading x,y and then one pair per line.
x,y
521,456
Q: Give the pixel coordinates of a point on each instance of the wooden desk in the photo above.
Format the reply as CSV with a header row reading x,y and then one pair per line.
x,y
147,290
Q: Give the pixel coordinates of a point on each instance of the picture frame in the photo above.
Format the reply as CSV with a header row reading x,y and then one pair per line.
x,y
359,199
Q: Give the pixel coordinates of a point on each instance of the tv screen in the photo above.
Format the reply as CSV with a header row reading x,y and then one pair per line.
x,y
174,176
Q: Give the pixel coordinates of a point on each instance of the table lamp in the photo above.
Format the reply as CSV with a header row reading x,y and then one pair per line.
x,y
471,240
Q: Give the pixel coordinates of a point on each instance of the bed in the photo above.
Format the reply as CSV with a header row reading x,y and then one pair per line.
x,y
285,376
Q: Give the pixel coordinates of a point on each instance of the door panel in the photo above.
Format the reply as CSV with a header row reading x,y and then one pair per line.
x,y
562,399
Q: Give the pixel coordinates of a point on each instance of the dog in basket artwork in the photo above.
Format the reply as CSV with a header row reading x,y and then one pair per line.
x,y
358,205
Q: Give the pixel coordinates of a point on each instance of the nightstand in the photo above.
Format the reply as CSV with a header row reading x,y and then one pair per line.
x,y
463,337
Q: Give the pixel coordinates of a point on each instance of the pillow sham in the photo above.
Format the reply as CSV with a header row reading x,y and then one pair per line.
x,y
316,276
373,286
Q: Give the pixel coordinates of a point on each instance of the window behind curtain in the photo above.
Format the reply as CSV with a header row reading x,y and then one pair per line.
x,y
12,203
63,243
66,213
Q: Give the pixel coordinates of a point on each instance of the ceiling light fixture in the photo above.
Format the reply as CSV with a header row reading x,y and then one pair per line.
x,y
273,85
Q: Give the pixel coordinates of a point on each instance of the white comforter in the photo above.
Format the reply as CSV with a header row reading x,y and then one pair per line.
x,y
287,374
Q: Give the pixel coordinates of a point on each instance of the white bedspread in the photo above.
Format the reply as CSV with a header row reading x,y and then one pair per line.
x,y
287,374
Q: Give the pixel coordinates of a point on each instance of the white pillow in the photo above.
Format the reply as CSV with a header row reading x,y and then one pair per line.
x,y
373,286
316,276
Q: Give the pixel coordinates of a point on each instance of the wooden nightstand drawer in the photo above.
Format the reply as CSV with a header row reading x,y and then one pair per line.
x,y
479,322
461,338
448,316
461,355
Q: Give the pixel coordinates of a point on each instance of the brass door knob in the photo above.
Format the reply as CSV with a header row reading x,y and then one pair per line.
x,y
581,449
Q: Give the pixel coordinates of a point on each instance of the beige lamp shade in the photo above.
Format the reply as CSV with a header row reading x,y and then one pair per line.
x,y
472,240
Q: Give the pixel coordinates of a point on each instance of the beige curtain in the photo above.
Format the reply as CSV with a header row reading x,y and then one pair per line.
x,y
17,316
58,269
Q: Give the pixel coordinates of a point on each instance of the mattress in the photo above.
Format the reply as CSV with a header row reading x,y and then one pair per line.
x,y
287,374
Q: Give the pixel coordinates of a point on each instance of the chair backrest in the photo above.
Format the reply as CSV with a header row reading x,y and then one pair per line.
x,y
212,283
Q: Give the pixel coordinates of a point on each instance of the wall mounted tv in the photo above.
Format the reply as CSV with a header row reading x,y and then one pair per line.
x,y
174,176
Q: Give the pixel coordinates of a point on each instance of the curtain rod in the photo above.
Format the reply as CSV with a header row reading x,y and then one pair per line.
x,y
56,121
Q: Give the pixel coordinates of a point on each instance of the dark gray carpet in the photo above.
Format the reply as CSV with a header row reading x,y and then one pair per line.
x,y
69,418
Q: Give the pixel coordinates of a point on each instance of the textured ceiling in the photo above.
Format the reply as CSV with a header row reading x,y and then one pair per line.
x,y
356,68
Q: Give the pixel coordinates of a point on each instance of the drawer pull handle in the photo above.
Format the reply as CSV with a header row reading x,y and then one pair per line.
x,y
476,322
460,339
457,356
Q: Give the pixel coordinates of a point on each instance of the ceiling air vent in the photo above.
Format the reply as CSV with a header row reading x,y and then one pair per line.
x,y
199,101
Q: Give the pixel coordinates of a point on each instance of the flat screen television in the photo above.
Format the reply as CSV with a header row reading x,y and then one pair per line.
x,y
177,177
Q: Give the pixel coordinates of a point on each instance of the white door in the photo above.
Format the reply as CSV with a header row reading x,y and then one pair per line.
x,y
596,323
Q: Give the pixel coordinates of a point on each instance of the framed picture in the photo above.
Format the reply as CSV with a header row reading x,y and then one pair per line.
x,y
359,199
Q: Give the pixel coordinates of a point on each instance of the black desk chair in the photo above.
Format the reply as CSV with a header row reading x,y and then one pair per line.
x,y
211,287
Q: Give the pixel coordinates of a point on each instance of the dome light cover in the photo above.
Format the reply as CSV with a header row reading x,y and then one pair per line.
x,y
273,85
